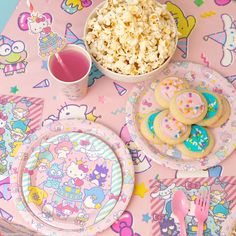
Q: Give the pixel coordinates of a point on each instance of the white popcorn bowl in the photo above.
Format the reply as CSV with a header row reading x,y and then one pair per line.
x,y
122,77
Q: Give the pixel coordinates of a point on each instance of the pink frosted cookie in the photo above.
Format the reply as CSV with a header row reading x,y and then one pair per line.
x,y
188,106
167,88
169,130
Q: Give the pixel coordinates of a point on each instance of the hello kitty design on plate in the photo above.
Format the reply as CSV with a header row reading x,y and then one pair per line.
x,y
77,191
74,183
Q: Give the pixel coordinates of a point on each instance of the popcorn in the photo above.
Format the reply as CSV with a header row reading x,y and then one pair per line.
x,y
131,37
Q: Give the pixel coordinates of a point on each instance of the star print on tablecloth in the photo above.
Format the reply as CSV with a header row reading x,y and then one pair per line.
x,y
102,99
14,89
140,190
146,218
198,2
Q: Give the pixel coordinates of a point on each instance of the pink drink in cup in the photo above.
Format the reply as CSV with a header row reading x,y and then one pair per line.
x,y
71,68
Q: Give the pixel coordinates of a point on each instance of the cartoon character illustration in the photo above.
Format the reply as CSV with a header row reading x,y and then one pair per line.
x,y
44,160
47,212
77,172
227,38
5,191
219,206
165,193
81,219
36,195
140,160
20,110
72,111
192,227
185,26
99,175
124,225
3,149
168,227
63,148
3,122
65,210
72,6
3,166
226,137
55,175
71,37
67,193
91,152
49,41
18,131
12,56
93,197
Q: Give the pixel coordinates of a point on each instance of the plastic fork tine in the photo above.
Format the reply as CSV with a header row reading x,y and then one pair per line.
x,y
202,209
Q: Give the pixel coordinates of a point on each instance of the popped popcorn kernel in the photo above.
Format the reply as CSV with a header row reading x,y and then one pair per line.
x,y
131,37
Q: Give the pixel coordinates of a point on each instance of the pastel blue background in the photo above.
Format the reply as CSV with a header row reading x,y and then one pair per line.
x,y
7,7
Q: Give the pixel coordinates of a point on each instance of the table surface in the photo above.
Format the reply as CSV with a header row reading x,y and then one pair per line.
x,y
203,40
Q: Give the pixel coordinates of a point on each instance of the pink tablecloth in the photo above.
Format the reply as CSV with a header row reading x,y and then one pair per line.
x,y
206,39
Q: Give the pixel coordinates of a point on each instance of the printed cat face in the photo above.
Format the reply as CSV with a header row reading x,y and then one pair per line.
x,y
73,171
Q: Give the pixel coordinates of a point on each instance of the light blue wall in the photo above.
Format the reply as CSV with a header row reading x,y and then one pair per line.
x,y
6,9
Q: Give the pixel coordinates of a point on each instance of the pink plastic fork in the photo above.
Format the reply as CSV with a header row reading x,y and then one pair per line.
x,y
201,210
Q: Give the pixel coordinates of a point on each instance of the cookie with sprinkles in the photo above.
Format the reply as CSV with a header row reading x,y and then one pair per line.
x,y
167,88
169,130
188,106
147,129
214,108
199,144
225,113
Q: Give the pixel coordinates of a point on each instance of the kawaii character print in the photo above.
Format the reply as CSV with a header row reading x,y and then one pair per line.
x,y
77,173
227,40
40,24
12,56
63,148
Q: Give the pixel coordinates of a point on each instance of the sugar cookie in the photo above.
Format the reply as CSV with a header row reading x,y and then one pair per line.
x,y
225,113
188,106
214,108
147,128
167,88
199,144
169,130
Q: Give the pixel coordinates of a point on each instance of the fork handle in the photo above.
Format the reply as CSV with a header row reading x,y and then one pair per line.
x,y
200,229
182,227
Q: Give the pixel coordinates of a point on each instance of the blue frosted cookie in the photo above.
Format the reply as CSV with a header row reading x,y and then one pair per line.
x,y
214,108
147,128
199,144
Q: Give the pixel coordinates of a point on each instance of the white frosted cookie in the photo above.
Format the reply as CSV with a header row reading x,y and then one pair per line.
x,y
169,130
199,144
188,106
167,88
147,129
214,108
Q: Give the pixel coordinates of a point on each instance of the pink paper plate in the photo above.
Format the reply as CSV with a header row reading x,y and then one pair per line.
x,y
142,101
70,180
